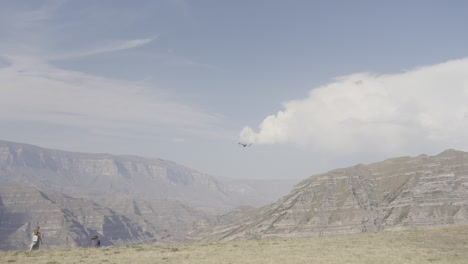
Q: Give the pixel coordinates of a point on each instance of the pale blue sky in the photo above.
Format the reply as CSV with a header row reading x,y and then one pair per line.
x,y
180,79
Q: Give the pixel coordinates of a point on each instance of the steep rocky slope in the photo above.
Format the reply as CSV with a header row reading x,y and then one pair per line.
x,y
70,222
123,199
104,175
400,193
64,221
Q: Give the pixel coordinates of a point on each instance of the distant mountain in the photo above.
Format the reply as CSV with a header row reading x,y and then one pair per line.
x,y
64,221
122,199
70,222
170,220
103,175
399,193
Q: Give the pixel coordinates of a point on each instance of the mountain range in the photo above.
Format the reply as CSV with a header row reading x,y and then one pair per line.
x,y
89,175
133,200
129,199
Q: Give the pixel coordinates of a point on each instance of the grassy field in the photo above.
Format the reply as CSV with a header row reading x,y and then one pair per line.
x,y
434,245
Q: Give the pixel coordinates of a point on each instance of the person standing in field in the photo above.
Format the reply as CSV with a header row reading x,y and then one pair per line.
x,y
95,242
36,239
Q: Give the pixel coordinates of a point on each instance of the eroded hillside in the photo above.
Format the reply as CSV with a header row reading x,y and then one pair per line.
x,y
400,193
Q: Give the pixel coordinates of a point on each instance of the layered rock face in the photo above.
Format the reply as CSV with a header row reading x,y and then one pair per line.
x,y
398,193
91,175
122,199
64,221
104,175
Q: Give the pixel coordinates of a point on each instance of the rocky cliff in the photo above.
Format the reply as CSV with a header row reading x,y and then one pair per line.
x,y
64,221
400,193
104,175
70,222
123,199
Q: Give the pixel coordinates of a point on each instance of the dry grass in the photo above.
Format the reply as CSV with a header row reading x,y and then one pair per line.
x,y
434,245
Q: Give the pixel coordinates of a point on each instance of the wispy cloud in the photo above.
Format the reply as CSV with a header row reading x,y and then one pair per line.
x,y
417,110
106,47
36,91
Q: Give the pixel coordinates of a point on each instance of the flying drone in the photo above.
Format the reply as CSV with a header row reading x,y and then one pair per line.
x,y
245,144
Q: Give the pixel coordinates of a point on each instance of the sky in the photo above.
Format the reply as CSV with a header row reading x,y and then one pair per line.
x,y
313,85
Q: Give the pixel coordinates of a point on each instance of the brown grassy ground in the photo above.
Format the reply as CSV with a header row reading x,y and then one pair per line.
x,y
434,245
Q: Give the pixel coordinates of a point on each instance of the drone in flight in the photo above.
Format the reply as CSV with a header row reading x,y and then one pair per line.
x,y
245,144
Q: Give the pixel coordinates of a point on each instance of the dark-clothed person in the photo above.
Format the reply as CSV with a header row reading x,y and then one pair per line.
x,y
95,242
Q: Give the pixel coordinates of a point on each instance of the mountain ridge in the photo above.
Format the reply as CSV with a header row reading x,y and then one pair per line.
x,y
65,221
98,175
397,193
131,194
130,199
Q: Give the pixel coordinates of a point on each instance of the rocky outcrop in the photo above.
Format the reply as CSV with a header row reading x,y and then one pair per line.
x,y
104,175
71,222
398,193
122,199
64,221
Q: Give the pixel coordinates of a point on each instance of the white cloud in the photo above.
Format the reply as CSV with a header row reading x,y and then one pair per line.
x,y
33,90
416,110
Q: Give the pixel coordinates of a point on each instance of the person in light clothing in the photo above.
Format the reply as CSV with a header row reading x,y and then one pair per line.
x,y
36,239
